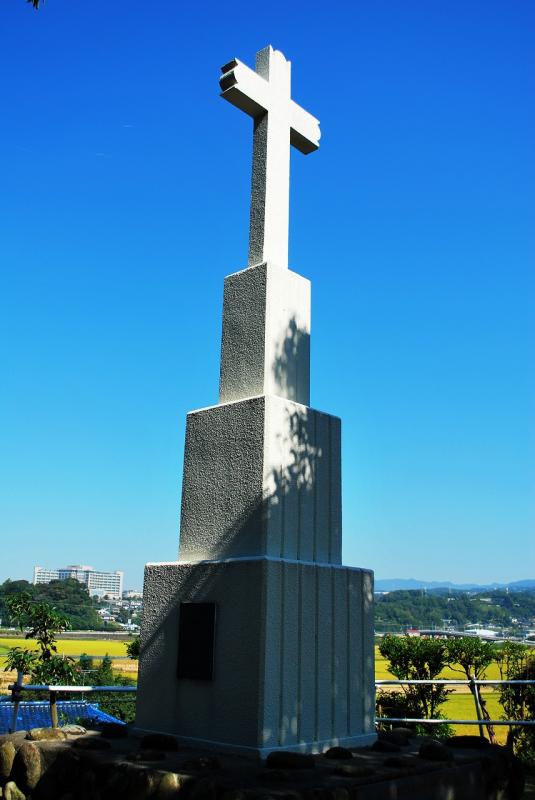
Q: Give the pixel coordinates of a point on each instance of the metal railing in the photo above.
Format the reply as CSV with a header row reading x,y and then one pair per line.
x,y
474,684
19,687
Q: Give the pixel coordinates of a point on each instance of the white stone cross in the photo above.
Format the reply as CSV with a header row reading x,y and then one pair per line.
x,y
278,123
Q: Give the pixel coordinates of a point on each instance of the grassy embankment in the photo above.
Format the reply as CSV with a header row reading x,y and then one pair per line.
x,y
460,704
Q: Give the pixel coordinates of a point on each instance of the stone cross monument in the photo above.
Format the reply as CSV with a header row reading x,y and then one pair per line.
x,y
258,638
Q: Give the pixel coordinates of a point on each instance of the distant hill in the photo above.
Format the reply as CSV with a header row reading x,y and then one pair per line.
x,y
398,609
408,584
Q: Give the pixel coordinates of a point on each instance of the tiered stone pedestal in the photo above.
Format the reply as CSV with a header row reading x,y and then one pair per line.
x,y
292,656
260,539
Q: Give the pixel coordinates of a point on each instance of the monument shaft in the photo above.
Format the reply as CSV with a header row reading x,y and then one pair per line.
x,y
258,637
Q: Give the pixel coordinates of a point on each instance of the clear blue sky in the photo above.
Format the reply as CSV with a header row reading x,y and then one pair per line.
x,y
124,203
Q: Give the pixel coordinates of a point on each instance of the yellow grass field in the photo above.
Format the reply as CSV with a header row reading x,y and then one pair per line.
x,y
460,704
71,647
381,672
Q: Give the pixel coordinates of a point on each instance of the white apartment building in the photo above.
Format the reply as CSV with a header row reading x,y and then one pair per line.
x,y
99,583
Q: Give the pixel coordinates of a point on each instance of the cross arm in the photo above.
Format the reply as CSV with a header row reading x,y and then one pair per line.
x,y
244,88
304,129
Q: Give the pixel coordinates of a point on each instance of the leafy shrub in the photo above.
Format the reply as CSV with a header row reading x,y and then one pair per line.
x,y
517,662
416,658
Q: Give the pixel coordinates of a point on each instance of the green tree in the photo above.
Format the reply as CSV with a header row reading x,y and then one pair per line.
x,y
517,662
41,622
132,648
471,656
416,658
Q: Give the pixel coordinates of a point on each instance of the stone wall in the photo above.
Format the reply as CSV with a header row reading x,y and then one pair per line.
x,y
120,764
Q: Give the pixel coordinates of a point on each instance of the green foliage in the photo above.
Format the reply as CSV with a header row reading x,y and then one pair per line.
x,y
517,662
472,656
120,705
399,705
423,609
39,619
132,649
21,660
415,658
70,598
85,663
42,623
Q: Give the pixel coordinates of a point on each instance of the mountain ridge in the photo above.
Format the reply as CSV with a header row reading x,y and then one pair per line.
x,y
412,584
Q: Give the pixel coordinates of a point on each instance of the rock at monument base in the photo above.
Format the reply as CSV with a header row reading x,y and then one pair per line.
x,y
338,752
467,742
73,730
27,766
168,787
383,746
202,763
399,736
12,792
42,734
147,755
92,743
7,756
204,789
354,770
113,730
281,759
159,741
435,751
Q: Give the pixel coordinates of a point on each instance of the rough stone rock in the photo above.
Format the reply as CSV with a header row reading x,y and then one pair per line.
x,y
382,746
354,771
68,769
147,755
116,784
169,786
27,767
233,794
7,756
204,789
16,738
42,734
202,763
281,759
12,792
159,741
468,742
113,730
398,762
399,736
275,775
435,751
338,752
142,783
92,743
340,793
73,730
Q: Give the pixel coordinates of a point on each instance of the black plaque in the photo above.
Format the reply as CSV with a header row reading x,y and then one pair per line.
x,y
196,633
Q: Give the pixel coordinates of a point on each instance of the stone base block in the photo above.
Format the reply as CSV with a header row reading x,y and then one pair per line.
x,y
265,345
293,656
262,477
